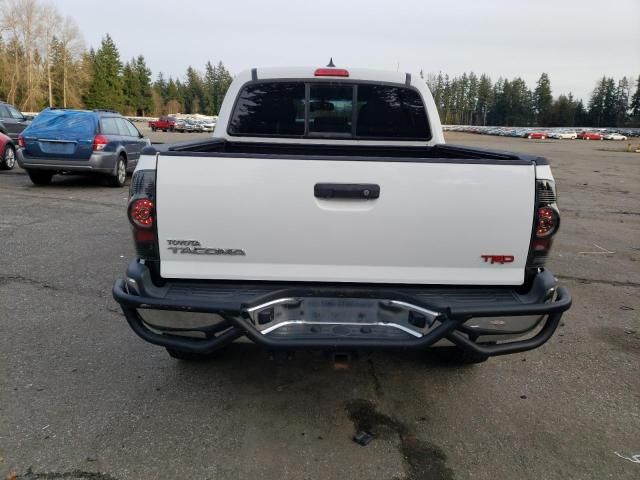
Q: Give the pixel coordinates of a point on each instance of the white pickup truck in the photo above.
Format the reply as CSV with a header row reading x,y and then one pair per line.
x,y
327,212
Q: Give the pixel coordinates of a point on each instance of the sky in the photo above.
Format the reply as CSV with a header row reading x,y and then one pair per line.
x,y
575,42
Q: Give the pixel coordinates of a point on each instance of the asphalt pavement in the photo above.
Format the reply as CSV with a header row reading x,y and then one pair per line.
x,y
81,397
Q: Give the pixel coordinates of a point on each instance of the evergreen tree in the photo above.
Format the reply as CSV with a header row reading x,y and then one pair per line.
x,y
582,118
145,98
160,86
130,88
105,89
521,104
485,99
223,81
563,112
194,98
209,87
596,103
57,74
635,104
609,103
543,100
623,91
472,98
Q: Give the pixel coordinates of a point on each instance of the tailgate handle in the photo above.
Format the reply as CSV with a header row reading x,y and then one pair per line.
x,y
363,191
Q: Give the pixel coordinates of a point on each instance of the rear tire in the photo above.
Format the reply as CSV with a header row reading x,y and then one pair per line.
x,y
8,160
189,356
120,177
40,177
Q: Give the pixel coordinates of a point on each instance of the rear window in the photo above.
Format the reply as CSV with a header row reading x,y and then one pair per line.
x,y
390,112
330,110
63,124
339,110
275,109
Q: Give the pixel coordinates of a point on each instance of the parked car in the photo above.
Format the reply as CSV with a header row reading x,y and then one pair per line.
x,y
192,126
350,271
12,121
563,135
590,136
197,126
164,123
537,135
7,152
615,136
80,141
179,126
208,126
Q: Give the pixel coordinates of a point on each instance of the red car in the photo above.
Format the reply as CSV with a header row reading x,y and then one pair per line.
x,y
590,136
7,152
537,135
164,123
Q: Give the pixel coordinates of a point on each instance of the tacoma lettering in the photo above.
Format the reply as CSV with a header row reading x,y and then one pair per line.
x,y
207,251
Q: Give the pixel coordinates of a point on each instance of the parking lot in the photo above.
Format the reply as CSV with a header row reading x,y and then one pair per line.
x,y
82,397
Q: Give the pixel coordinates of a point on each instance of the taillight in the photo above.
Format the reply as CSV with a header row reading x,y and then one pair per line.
x,y
142,214
546,224
99,142
21,143
331,72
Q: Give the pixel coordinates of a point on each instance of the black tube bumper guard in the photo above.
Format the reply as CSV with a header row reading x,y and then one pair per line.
x,y
446,308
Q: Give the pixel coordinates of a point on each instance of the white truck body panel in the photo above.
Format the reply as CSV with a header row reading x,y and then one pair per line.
x,y
431,224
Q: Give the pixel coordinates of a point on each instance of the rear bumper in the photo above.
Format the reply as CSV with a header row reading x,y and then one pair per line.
x,y
100,162
208,315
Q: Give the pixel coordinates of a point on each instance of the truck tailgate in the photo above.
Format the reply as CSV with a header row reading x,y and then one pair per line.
x,y
260,219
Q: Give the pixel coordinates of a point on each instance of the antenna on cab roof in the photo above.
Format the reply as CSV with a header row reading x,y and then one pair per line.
x,y
331,65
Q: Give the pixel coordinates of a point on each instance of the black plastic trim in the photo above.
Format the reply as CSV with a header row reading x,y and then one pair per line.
x,y
449,153
364,191
232,309
352,158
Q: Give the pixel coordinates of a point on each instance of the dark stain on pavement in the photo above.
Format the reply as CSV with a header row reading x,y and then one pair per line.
x,y
71,475
623,339
424,461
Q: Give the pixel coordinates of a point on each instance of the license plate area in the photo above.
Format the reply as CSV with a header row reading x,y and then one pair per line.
x,y
349,312
59,148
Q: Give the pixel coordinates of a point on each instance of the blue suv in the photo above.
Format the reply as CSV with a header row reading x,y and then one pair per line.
x,y
80,141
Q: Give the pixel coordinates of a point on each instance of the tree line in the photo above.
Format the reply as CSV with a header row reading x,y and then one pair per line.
x,y
475,100
44,62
